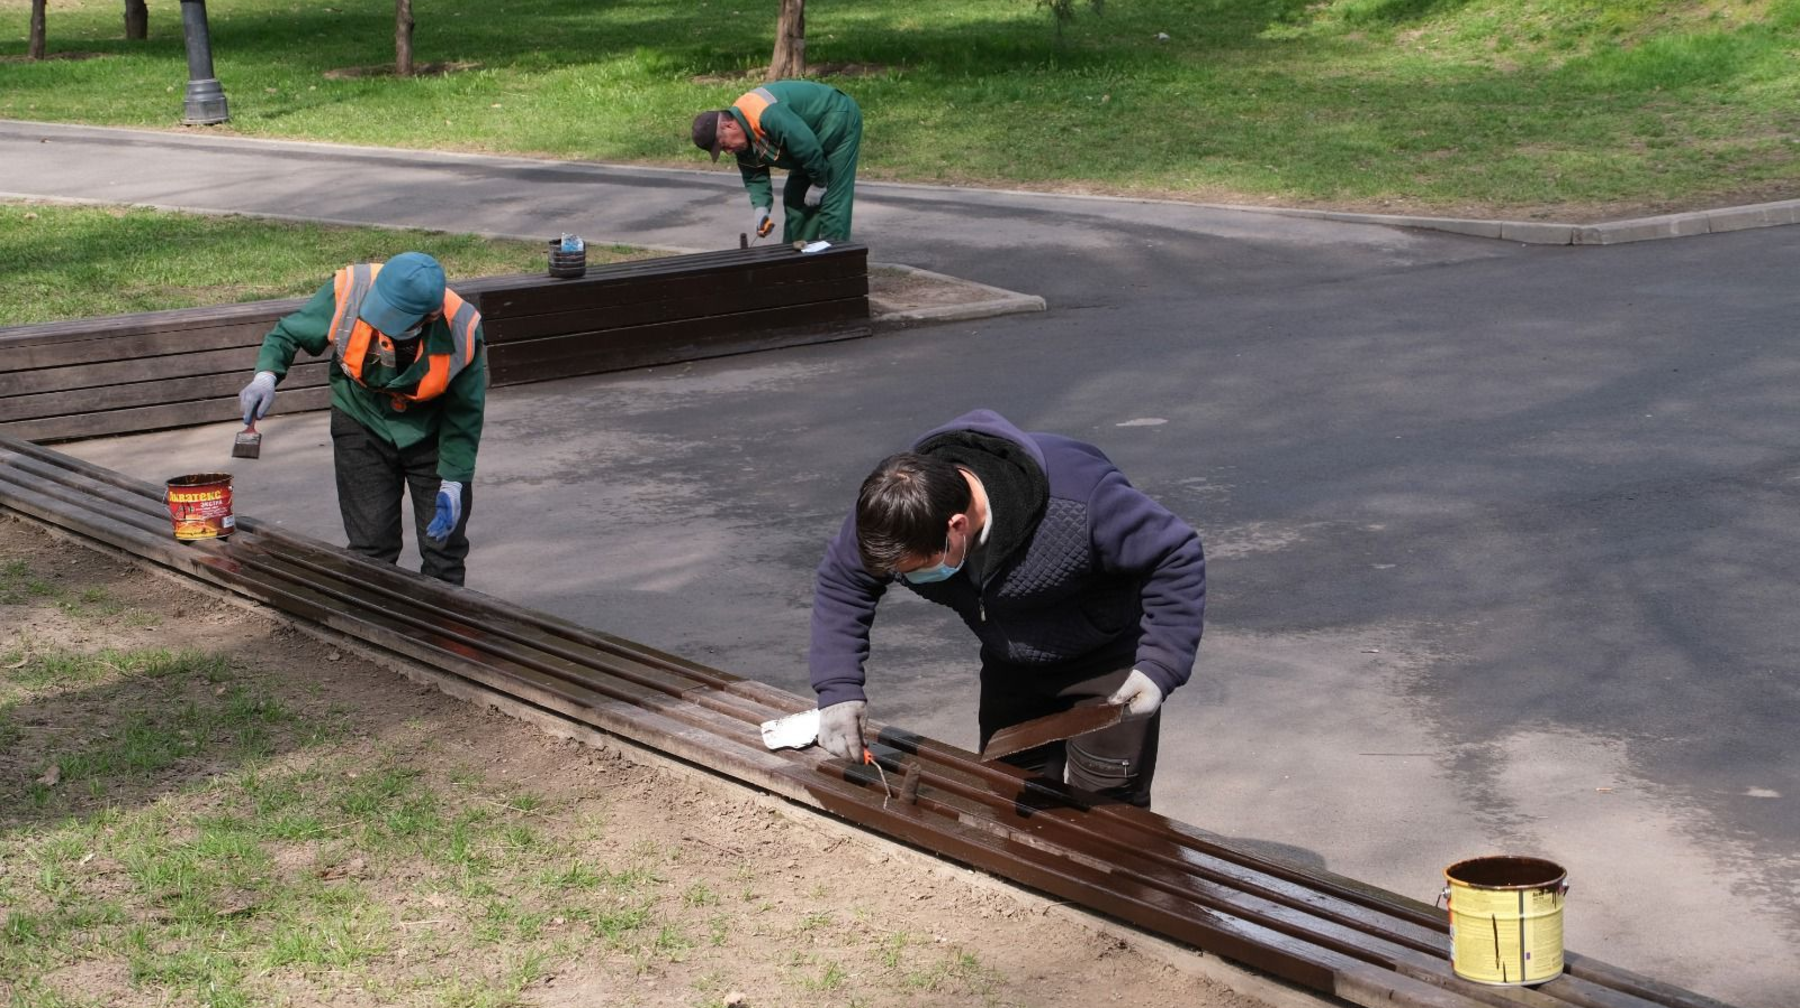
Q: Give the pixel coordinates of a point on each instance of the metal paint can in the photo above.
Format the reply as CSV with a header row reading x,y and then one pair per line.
x,y
200,506
1506,919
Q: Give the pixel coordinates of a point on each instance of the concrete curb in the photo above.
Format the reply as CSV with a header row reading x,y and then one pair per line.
x,y
1676,225
1000,302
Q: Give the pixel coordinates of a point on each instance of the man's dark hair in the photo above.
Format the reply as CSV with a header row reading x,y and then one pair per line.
x,y
903,508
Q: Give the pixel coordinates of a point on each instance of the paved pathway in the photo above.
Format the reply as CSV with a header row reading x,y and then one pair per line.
x,y
1501,537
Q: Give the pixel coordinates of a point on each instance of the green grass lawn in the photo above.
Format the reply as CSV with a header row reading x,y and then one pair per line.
x,y
1412,103
63,262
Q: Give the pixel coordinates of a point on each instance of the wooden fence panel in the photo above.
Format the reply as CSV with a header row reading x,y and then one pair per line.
x,y
155,370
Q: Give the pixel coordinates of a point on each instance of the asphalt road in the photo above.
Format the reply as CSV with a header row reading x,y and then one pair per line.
x,y
1501,537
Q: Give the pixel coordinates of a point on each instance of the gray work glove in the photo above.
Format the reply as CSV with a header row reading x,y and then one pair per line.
x,y
813,196
1139,696
256,398
760,222
841,729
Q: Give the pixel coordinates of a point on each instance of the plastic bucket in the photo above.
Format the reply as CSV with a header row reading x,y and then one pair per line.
x,y
1506,919
567,265
200,506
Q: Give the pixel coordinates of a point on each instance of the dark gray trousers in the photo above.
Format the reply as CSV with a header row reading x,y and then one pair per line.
x,y
371,477
1117,762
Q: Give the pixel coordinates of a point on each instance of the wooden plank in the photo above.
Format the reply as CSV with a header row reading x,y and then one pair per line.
x,y
154,370
643,346
150,393
606,289
688,305
143,323
240,361
103,346
149,418
664,288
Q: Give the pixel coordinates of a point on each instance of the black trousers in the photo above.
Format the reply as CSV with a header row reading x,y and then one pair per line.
x,y
1117,762
372,475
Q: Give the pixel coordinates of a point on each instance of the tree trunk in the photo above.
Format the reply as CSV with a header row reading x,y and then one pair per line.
x,y
403,27
137,19
34,49
790,41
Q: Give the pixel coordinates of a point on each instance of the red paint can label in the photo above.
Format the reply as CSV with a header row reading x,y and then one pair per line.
x,y
200,506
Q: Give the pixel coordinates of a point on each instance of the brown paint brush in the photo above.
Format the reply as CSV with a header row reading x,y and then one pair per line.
x,y
248,443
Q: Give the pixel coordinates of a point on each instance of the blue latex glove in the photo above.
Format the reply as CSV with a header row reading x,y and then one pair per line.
x,y
813,196
256,398
449,510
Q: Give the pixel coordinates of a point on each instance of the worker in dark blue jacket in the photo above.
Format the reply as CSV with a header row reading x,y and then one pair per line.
x,y
1080,589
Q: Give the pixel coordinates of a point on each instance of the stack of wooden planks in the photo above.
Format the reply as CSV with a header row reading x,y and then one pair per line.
x,y
149,371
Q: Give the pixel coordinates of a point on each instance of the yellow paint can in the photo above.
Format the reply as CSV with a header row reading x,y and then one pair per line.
x,y
1506,919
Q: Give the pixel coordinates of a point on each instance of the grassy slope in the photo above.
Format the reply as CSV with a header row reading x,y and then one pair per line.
x,y
1425,103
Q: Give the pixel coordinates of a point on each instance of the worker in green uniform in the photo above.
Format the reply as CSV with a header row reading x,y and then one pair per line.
x,y
812,130
408,378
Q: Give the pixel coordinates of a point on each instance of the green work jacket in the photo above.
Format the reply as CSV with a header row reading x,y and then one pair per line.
x,y
454,417
800,130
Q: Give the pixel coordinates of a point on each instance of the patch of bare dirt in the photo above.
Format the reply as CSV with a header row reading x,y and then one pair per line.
x,y
73,55
813,70
892,289
800,912
387,70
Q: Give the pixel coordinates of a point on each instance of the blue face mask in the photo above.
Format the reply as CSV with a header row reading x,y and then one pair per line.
x,y
943,571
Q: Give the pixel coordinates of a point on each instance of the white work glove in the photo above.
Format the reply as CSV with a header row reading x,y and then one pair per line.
x,y
1139,696
449,509
813,196
256,398
841,729
760,222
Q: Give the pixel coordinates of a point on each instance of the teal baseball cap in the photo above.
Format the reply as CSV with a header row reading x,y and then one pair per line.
x,y
407,289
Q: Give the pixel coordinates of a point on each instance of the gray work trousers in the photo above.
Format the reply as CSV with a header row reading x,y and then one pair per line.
x,y
1118,763
372,474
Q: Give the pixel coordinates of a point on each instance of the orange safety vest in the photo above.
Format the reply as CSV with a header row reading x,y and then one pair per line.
x,y
350,336
752,105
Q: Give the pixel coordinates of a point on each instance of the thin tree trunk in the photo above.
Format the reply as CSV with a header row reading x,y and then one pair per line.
x,y
403,28
34,49
137,19
790,41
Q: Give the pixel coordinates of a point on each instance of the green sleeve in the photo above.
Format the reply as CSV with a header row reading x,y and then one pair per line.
x,y
798,142
756,180
308,329
459,430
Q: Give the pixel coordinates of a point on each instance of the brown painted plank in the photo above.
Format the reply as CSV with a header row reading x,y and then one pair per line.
x,y
642,346
149,393
675,280
149,418
102,346
1051,728
233,361
143,323
689,304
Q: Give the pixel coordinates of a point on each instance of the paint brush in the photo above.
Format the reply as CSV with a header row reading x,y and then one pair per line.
x,y
248,443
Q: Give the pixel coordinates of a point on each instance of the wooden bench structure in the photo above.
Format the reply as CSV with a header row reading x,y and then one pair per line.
x,y
154,370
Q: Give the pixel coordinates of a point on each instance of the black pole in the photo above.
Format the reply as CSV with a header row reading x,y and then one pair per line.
x,y
205,102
